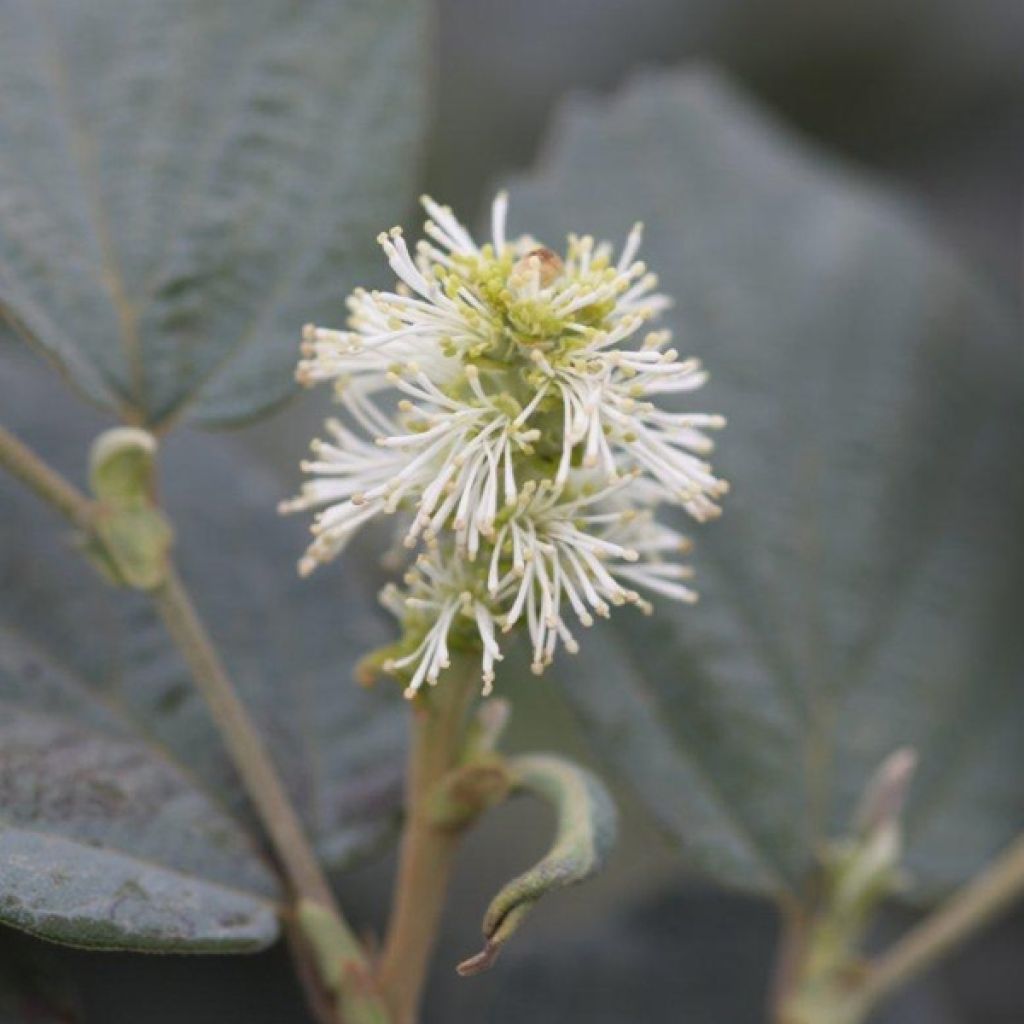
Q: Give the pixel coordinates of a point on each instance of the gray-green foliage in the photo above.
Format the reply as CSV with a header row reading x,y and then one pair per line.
x,y
859,593
106,843
183,183
121,821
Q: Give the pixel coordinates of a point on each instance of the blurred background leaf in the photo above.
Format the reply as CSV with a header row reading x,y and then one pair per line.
x,y
857,594
185,182
105,843
92,678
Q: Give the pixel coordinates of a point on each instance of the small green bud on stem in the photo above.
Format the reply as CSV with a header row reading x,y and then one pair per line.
x,y
827,977
131,538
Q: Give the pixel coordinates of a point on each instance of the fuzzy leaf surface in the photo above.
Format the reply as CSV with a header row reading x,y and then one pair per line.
x,y
183,184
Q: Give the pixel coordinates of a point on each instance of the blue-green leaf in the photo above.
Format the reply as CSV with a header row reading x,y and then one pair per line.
x,y
861,591
184,183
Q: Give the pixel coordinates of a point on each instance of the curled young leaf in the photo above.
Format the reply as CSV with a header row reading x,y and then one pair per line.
x,y
585,832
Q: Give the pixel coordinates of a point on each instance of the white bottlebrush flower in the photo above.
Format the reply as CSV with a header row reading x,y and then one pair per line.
x,y
505,399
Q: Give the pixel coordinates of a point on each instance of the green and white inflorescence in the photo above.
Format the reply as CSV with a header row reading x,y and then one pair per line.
x,y
504,400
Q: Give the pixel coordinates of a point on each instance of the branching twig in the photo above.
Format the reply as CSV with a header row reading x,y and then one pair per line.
x,y
48,484
981,899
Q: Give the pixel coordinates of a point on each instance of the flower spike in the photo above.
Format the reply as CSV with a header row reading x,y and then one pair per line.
x,y
508,403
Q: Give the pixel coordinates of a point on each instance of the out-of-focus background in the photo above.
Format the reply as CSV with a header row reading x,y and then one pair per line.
x,y
927,94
